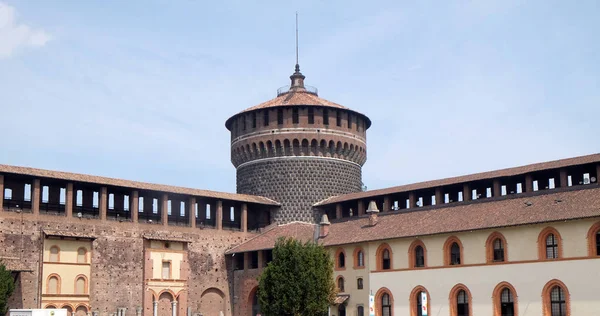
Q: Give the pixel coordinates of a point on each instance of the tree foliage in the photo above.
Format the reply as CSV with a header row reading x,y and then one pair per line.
x,y
298,282
7,286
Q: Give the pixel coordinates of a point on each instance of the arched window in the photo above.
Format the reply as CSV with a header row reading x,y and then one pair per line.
x,y
53,284
359,258
384,257
505,300
386,260
417,254
594,240
54,254
360,310
419,257
496,248
50,306
340,284
460,301
359,283
556,299
551,247
386,305
454,254
340,256
81,285
81,255
453,251
549,244
419,301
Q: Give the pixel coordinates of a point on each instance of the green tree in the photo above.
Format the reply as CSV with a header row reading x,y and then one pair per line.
x,y
7,286
298,282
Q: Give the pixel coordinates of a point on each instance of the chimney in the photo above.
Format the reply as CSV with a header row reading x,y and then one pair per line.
x,y
324,231
373,211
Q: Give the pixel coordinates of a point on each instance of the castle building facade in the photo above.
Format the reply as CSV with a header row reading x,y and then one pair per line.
x,y
519,241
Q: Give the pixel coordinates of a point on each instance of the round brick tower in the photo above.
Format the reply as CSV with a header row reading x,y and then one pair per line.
x,y
298,149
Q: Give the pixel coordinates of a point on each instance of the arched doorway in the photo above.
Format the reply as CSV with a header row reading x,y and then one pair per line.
x,y
212,302
342,310
81,311
165,303
254,303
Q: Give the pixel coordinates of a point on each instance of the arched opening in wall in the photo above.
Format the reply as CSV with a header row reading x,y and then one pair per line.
x,y
346,151
419,298
342,310
496,248
556,299
287,147
549,244
248,152
505,300
314,148
305,147
53,284
54,254
81,285
50,306
82,255
212,302
278,149
460,301
165,304
338,150
255,151
323,148
331,151
68,308
594,240
81,310
296,147
269,149
351,153
254,303
384,257
417,254
263,150
384,302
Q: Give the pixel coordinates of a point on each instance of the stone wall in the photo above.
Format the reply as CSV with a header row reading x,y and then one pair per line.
x,y
117,267
298,182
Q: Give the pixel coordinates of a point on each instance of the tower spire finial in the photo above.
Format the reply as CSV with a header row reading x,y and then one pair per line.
x,y
297,64
297,77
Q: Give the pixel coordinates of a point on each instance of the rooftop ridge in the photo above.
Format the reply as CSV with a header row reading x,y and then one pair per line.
x,y
85,178
505,172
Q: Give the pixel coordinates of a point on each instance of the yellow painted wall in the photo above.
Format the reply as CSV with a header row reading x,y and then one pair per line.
x,y
67,268
157,259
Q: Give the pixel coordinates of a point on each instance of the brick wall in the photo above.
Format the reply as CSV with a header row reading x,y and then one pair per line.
x,y
117,274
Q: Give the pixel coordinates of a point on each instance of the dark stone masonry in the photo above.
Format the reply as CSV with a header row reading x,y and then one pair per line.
x,y
298,182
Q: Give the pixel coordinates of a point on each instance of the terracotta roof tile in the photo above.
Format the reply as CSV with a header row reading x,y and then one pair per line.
x,y
558,206
298,230
467,178
299,97
134,184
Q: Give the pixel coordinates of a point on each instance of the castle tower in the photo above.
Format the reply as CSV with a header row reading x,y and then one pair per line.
x,y
298,149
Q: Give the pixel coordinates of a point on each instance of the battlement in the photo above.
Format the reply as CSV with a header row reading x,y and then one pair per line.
x,y
71,195
565,174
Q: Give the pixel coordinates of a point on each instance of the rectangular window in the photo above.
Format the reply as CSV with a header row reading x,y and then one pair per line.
x,y
349,121
253,119
311,115
295,118
266,118
338,118
280,116
325,117
166,269
238,261
254,260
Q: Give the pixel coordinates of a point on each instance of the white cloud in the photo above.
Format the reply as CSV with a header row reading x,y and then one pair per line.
x,y
14,36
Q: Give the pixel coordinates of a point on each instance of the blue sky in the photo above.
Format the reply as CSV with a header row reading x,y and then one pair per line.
x,y
141,89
